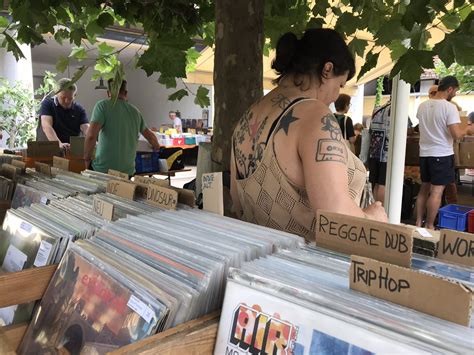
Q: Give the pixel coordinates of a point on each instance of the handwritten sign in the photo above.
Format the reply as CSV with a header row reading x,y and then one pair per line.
x,y
359,236
43,168
117,174
103,208
19,164
61,163
213,193
162,197
121,188
149,180
413,289
457,247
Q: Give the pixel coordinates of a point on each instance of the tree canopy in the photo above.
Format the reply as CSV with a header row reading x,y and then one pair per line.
x,y
172,27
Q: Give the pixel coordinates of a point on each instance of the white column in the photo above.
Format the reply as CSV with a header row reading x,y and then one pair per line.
x,y
12,70
396,150
357,105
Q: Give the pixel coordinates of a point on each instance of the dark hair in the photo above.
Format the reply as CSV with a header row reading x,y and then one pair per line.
x,y
448,82
123,87
309,54
342,102
172,112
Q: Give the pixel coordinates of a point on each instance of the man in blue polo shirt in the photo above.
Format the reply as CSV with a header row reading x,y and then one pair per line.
x,y
60,117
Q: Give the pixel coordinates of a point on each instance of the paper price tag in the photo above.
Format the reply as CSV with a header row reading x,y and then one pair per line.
x,y
141,308
44,200
43,254
26,227
14,259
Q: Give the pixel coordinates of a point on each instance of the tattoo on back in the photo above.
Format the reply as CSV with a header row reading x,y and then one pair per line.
x,y
331,149
286,120
281,101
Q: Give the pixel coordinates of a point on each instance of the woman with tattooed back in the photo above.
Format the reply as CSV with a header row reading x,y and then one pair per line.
x,y
289,158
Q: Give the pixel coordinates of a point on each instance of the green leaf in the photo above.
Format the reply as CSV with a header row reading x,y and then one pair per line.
x,y
93,29
178,95
79,73
119,75
76,36
321,7
105,49
451,21
412,64
169,82
347,23
357,47
464,12
202,97
458,3
370,62
62,64
12,46
390,31
419,37
192,56
417,12
397,49
3,22
105,20
30,36
315,22
456,48
61,35
78,53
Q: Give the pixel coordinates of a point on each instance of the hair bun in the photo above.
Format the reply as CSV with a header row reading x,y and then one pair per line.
x,y
285,51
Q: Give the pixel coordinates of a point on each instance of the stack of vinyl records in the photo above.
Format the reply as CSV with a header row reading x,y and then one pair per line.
x,y
299,301
140,275
7,158
7,186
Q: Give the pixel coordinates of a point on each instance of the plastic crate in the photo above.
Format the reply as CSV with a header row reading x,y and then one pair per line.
x,y
454,217
147,162
190,140
470,222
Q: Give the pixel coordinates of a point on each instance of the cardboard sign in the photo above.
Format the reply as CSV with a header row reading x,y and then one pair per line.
x,y
42,149
77,146
456,247
61,163
10,171
103,208
118,174
121,188
359,236
19,164
186,197
429,294
213,193
43,168
162,197
149,180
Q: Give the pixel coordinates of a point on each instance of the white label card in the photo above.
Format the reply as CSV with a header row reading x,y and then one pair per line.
x,y
14,259
26,227
43,254
141,308
44,200
424,232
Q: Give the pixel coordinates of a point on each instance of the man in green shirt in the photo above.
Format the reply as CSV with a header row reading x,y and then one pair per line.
x,y
117,126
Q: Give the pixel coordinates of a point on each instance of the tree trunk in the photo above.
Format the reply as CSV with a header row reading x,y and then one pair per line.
x,y
238,70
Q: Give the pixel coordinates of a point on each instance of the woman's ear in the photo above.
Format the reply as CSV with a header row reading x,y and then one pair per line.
x,y
327,70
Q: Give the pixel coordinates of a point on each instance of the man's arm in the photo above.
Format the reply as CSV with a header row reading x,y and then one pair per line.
x,y
84,128
151,138
458,133
47,126
90,141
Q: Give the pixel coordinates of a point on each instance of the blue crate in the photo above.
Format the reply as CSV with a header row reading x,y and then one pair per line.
x,y
454,217
147,162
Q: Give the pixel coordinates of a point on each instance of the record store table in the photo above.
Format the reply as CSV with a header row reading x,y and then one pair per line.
x,y
168,174
197,336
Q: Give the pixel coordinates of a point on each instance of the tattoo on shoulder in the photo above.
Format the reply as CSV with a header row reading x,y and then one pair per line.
x,y
331,125
286,120
331,149
281,101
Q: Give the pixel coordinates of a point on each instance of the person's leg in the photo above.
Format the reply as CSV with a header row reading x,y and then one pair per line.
x,y
382,177
432,205
421,200
451,194
380,196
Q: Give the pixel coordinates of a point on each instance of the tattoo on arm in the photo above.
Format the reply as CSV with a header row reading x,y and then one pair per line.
x,y
331,149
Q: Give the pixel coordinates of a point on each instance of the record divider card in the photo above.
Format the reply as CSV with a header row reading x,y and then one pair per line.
x,y
381,266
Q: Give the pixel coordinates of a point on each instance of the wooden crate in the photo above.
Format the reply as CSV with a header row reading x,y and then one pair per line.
x,y
194,337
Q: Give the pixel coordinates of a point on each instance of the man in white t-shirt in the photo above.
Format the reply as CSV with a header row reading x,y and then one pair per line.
x,y
439,127
176,122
